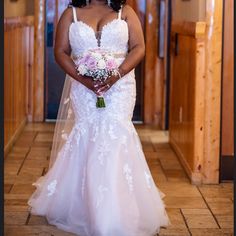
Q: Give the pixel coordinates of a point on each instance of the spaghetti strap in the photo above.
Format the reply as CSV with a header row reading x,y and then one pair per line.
x,y
74,14
119,14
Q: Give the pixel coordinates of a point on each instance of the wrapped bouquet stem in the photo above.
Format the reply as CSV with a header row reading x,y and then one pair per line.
x,y
100,102
98,64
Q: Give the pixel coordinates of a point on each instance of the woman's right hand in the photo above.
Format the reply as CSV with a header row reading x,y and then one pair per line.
x,y
90,84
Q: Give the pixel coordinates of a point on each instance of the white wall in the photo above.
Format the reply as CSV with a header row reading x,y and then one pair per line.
x,y
192,10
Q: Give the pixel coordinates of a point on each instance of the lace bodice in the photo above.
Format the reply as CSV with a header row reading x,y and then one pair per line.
x,y
120,99
113,36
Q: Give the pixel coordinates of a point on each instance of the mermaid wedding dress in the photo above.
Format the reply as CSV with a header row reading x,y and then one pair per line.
x,y
99,183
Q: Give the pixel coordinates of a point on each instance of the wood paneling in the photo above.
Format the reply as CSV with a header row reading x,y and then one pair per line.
x,y
213,91
196,94
191,11
150,61
187,95
18,32
195,29
38,86
155,77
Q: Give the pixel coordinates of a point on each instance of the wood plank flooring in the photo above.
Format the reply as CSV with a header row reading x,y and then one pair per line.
x,y
193,210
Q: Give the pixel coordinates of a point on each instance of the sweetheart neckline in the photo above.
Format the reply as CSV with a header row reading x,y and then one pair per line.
x,y
104,26
100,31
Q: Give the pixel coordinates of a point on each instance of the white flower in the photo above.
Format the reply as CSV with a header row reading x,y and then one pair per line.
x,y
82,69
109,58
98,56
101,64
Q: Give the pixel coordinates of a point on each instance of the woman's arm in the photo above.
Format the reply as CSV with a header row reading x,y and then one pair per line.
x,y
62,50
136,47
136,41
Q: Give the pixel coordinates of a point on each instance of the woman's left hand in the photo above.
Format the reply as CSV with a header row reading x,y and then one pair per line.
x,y
102,88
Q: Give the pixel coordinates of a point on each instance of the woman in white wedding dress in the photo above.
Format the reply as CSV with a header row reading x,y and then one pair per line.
x,y
98,182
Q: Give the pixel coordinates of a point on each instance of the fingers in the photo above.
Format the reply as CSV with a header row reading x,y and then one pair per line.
x,y
103,89
99,87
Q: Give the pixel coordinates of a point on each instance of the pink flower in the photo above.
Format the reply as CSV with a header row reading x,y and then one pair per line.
x,y
84,59
91,63
110,64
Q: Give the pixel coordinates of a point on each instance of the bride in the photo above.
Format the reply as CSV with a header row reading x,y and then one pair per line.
x,y
98,182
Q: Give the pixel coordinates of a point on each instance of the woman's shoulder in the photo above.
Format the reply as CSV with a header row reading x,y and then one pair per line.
x,y
127,10
67,14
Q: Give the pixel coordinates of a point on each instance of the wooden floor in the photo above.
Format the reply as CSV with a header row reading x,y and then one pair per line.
x,y
203,210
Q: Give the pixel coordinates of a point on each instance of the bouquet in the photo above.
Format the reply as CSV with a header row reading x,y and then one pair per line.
x,y
98,64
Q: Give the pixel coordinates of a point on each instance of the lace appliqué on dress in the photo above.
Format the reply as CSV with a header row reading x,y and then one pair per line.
x,y
128,175
52,188
148,179
101,190
111,132
102,151
124,143
83,182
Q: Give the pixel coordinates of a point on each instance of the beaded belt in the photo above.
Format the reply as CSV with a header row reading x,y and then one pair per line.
x,y
116,55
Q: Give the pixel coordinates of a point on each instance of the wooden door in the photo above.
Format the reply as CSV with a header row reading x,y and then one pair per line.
x,y
227,124
55,76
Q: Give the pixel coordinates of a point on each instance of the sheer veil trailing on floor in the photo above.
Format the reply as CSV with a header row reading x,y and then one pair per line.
x,y
65,122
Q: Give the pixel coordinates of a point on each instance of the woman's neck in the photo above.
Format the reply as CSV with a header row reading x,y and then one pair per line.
x,y
98,2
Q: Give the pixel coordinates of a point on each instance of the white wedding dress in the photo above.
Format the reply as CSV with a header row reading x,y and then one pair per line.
x,y
100,183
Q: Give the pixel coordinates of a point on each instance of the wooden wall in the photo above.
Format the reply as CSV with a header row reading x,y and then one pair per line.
x,y
187,95
214,21
18,72
155,77
18,8
37,106
193,11
196,94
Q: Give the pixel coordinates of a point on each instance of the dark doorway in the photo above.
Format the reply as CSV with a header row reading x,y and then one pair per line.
x,y
54,75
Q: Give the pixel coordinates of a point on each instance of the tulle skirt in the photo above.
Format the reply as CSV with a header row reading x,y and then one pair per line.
x,y
100,184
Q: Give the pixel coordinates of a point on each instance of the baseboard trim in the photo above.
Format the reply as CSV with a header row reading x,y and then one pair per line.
x,y
195,178
14,137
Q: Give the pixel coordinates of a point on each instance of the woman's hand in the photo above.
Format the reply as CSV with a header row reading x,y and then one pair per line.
x,y
103,87
90,84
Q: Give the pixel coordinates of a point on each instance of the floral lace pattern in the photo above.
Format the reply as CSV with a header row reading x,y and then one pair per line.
x,y
148,179
52,187
100,197
102,151
88,40
128,175
83,182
